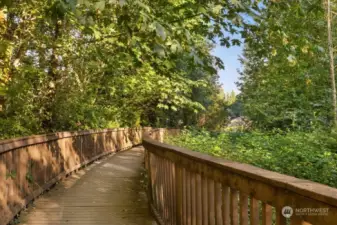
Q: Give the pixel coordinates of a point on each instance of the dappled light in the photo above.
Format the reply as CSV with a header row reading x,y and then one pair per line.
x,y
244,92
95,196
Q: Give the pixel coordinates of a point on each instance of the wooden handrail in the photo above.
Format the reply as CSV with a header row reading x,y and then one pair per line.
x,y
192,188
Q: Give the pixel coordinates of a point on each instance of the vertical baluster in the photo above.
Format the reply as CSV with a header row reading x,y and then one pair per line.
x,y
243,209
234,207
280,219
175,192
267,213
254,211
211,210
199,199
225,205
184,198
179,193
168,191
150,178
158,185
156,182
165,198
218,201
172,193
204,201
161,191
193,200
154,176
188,197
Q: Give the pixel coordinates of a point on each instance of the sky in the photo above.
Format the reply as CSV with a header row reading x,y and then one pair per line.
x,y
230,57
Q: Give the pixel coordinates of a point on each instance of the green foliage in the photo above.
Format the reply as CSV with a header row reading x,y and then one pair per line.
x,y
79,64
285,81
29,177
11,174
309,156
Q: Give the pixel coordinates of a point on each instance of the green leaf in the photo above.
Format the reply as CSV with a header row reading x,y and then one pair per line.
x,y
160,31
11,174
96,33
202,10
142,5
100,5
174,108
217,9
159,50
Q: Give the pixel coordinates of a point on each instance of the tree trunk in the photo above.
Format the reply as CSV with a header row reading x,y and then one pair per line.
x,y
332,66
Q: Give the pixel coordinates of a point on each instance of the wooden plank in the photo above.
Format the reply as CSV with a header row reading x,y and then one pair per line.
x,y
254,211
179,193
267,213
234,207
204,200
105,198
218,203
188,198
165,186
173,193
226,204
160,188
153,171
148,167
184,198
211,202
158,183
244,209
199,199
193,199
280,219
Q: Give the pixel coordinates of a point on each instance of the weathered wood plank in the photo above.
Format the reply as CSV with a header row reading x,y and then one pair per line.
x,y
104,193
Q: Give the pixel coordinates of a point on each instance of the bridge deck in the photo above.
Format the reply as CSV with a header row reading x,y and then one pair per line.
x,y
109,191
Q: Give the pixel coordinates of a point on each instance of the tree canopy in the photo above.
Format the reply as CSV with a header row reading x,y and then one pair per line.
x,y
285,81
78,64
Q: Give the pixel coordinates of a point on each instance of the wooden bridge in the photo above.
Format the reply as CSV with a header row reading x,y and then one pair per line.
x,y
98,177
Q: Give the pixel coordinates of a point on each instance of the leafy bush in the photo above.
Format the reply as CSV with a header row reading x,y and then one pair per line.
x,y
309,156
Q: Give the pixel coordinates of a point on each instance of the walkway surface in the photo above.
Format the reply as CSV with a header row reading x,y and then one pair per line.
x,y
109,191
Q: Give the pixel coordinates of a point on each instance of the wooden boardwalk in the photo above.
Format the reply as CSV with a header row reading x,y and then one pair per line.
x,y
110,191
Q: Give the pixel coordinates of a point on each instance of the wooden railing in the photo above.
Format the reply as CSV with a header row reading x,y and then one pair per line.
x,y
31,165
191,188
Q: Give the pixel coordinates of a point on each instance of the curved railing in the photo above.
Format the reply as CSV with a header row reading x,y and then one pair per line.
x,y
31,165
191,188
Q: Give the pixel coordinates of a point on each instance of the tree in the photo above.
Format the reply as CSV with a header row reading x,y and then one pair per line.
x,y
79,64
332,64
284,82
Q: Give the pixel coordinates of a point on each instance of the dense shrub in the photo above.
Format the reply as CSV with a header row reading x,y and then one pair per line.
x,y
309,156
